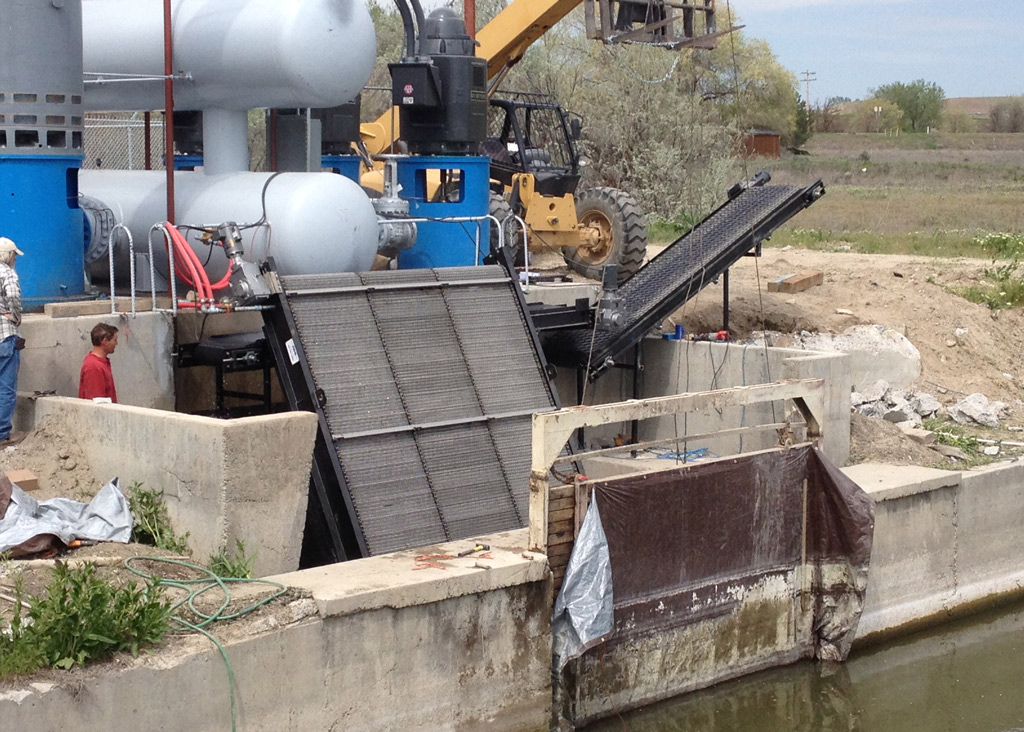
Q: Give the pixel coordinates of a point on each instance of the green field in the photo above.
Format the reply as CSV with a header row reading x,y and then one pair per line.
x,y
938,195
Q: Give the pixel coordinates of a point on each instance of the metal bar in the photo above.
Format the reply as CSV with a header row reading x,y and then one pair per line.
x,y
427,284
169,110
668,441
437,425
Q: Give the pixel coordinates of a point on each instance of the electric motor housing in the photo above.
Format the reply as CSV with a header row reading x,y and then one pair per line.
x,y
442,95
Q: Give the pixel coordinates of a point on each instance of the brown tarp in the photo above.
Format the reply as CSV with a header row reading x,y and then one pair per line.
x,y
678,538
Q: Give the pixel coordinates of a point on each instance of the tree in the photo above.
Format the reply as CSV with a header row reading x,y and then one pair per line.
x,y
1007,116
920,101
958,119
802,133
874,115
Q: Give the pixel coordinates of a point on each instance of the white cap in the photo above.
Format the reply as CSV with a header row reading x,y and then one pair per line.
x,y
6,245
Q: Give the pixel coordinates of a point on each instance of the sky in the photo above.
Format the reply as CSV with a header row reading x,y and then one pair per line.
x,y
970,48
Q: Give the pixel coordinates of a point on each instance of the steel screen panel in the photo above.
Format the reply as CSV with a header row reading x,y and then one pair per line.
x,y
679,272
428,379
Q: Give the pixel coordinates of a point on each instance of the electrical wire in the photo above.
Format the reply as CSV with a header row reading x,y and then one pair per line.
x,y
195,588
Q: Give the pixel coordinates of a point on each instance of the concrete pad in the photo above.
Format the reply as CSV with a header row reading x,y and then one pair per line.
x,y
561,293
885,482
398,580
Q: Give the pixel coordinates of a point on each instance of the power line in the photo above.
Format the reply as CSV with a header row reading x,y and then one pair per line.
x,y
808,77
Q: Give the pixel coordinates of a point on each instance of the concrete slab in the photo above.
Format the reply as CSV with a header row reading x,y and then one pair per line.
x,y
561,293
884,482
398,580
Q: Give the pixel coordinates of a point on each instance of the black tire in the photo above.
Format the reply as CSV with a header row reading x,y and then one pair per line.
x,y
500,209
621,233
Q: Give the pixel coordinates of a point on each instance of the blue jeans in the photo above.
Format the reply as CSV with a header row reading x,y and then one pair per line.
x,y
10,359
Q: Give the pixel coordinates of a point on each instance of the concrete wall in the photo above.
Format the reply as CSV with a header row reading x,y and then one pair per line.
x,y
676,367
55,347
223,480
945,543
384,647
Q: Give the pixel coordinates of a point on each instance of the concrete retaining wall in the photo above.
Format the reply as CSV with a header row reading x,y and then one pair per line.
x,y
384,647
142,368
223,480
677,367
945,543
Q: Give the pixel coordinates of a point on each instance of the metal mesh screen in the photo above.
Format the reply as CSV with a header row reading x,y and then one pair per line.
x,y
429,378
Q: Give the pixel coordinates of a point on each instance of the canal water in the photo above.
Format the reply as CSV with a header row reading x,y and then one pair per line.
x,y
966,676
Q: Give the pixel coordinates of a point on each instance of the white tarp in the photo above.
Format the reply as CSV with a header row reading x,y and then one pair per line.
x,y
584,613
105,518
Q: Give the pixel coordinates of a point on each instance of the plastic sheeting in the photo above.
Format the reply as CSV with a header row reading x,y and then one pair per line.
x,y
584,611
27,525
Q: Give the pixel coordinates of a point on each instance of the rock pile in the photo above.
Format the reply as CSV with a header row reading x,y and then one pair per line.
x,y
882,401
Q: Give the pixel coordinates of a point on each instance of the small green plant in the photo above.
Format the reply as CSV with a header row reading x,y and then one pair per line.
x,y
1001,288
1002,245
239,565
152,526
81,617
953,435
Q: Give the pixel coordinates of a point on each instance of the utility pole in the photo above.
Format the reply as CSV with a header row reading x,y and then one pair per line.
x,y
808,77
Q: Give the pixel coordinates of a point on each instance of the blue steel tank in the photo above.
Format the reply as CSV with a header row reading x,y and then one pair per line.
x,y
41,144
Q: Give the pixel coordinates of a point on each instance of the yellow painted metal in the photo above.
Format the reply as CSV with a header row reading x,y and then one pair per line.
x,y
550,221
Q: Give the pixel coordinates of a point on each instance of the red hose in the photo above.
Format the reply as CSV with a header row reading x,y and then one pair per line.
x,y
192,274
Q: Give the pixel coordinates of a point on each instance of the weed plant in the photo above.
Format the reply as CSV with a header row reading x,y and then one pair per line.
x,y
81,617
238,565
152,526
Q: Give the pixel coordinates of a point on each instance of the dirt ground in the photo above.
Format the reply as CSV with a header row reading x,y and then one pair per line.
x,y
964,347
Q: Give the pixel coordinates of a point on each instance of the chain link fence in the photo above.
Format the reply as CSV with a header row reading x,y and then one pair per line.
x,y
117,141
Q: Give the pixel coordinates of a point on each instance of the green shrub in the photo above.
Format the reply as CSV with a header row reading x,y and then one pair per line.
x,y
82,617
238,566
152,526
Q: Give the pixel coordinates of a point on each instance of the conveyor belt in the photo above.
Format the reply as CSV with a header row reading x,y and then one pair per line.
x,y
683,269
424,382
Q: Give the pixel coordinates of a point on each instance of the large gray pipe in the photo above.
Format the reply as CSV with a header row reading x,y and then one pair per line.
x,y
238,54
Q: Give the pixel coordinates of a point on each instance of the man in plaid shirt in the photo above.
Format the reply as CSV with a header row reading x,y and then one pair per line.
x,y
10,348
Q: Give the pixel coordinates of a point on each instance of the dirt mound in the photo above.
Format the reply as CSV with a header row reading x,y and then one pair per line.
x,y
54,455
965,348
877,441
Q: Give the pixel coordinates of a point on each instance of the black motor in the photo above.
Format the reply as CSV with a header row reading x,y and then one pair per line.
x,y
442,93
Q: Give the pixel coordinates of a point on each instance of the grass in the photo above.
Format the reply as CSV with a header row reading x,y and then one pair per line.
x,y
238,564
152,524
81,617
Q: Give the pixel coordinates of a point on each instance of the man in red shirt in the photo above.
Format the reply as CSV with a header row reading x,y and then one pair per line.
x,y
97,380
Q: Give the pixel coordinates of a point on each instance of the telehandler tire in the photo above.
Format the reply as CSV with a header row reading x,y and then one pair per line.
x,y
619,233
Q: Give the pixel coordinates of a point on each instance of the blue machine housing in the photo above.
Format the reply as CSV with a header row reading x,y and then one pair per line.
x,y
440,243
40,212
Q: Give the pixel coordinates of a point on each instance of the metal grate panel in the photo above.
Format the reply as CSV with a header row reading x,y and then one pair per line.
x,y
427,380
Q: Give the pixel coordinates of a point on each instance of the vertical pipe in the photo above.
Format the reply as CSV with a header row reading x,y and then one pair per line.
x,y
148,139
169,110
469,11
225,141
725,301
273,141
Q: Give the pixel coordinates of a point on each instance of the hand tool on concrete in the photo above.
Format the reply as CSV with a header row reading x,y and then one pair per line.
x,y
476,548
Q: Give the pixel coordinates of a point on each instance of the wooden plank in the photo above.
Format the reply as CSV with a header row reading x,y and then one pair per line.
x,y
562,491
562,538
797,282
564,514
558,504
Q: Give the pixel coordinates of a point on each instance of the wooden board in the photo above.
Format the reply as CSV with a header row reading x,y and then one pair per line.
x,y
797,282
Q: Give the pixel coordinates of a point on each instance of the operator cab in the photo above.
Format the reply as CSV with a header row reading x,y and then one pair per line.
x,y
529,133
